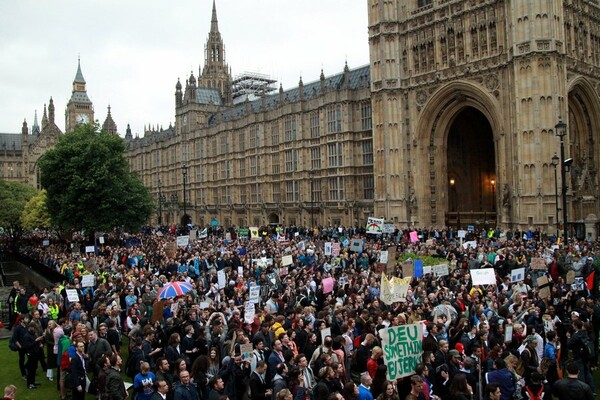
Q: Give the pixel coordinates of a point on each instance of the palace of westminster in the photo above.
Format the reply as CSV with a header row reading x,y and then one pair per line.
x,y
454,121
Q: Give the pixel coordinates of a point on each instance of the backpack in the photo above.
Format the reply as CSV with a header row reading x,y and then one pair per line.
x,y
535,396
132,364
586,352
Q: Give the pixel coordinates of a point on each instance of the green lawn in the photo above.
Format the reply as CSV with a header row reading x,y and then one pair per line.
x,y
10,374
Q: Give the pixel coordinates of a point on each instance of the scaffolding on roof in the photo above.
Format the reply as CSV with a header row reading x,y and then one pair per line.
x,y
251,85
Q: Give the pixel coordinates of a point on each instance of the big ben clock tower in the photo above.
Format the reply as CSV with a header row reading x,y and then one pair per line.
x,y
80,109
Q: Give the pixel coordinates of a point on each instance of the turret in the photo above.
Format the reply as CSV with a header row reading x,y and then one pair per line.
x,y
178,94
35,129
44,119
128,135
51,111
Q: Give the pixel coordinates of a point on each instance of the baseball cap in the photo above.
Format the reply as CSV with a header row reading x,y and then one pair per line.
x,y
454,353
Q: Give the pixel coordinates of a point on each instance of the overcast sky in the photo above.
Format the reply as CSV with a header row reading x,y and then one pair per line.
x,y
133,51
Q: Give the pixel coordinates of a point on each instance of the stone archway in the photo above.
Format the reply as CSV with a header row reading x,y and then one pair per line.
x,y
273,219
446,111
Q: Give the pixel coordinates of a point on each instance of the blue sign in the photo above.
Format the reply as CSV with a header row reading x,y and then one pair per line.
x,y
470,228
214,222
418,268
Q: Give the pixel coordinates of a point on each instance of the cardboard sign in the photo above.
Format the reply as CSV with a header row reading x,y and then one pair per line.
x,y
246,350
249,312
287,260
440,270
72,295
327,285
383,257
356,245
88,281
254,294
538,263
544,287
485,276
391,263
408,269
171,249
517,275
324,333
570,277
402,349
394,289
375,226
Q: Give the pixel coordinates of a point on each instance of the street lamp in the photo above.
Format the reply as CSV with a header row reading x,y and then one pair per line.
x,y
311,174
555,161
184,171
561,131
160,200
452,189
493,183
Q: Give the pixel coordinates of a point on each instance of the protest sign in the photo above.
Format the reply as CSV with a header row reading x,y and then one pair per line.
x,y
88,281
246,350
243,233
72,295
273,280
388,228
461,234
90,249
375,226
171,249
183,241
538,263
472,244
45,242
517,275
440,270
484,276
222,280
383,257
418,268
544,287
402,348
343,281
570,277
508,333
287,260
249,311
391,263
101,240
578,284
193,234
356,245
254,233
394,289
327,248
254,294
408,269
240,271
335,249
427,269
327,285
414,237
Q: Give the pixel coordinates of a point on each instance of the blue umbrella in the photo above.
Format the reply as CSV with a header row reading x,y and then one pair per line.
x,y
174,289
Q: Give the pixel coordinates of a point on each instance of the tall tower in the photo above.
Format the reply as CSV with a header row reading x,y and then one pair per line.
x,y
79,108
215,73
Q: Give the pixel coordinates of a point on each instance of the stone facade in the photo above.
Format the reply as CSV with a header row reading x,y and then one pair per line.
x,y
446,74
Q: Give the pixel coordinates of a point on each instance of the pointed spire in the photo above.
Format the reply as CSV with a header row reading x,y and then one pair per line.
x,y
346,69
109,124
44,118
128,135
24,129
51,111
79,76
35,129
214,23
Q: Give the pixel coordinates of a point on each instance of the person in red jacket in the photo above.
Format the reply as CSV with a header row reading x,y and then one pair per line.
x,y
373,361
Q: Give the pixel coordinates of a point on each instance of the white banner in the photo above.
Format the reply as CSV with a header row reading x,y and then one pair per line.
x,y
221,279
375,226
183,241
485,276
440,270
517,275
254,294
383,257
88,281
402,349
249,312
72,295
394,289
90,249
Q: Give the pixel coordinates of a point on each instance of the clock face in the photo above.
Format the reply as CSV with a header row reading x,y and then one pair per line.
x,y
82,118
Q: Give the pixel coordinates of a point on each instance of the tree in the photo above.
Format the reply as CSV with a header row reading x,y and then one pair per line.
x,y
13,197
35,214
89,184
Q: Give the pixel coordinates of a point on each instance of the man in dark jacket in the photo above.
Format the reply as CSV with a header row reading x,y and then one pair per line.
x,y
576,344
217,388
185,390
571,387
504,378
17,338
32,346
78,371
258,383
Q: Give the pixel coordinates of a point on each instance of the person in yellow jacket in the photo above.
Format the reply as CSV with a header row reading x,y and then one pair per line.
x,y
277,327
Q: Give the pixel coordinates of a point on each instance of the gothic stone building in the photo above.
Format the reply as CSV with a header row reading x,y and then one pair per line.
x,y
453,122
466,96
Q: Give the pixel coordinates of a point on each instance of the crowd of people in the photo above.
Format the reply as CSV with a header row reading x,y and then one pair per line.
x,y
298,336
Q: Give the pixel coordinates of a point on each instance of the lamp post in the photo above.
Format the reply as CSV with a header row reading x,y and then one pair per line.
x,y
561,131
493,183
555,161
184,171
160,200
452,189
311,174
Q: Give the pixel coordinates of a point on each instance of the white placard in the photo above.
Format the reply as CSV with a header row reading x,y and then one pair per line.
x,y
508,333
249,312
88,281
517,275
427,269
383,257
287,260
485,276
221,279
327,248
254,294
241,271
183,241
101,239
375,225
324,333
72,295
204,305
462,234
472,244
90,249
356,245
45,242
439,270
388,228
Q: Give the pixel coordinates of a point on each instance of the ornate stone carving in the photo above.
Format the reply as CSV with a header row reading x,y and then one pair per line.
x,y
422,96
491,82
506,196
